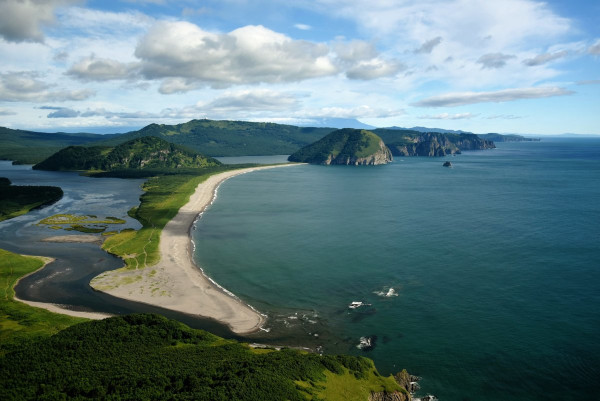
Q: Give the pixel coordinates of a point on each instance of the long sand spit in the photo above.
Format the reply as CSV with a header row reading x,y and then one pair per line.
x,y
176,282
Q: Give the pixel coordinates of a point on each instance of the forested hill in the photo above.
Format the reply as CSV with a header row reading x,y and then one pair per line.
x,y
141,153
29,147
147,357
230,138
345,146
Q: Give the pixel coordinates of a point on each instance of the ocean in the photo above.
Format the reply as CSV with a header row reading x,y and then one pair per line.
x,y
494,265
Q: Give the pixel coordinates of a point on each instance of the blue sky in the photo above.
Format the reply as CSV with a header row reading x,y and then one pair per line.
x,y
509,66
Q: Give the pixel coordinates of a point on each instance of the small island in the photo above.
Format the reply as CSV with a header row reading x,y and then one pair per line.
x,y
346,147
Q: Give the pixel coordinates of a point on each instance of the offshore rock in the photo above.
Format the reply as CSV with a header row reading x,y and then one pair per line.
x,y
395,396
448,164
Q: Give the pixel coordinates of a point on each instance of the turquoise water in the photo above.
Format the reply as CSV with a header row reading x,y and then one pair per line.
x,y
496,264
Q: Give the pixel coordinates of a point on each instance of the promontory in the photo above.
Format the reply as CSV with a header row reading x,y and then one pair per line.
x,y
347,147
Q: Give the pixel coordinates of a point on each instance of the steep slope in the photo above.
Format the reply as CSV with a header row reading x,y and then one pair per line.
x,y
346,146
141,153
230,138
415,143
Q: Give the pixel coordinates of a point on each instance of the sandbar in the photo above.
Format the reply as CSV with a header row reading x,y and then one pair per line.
x,y
78,238
175,282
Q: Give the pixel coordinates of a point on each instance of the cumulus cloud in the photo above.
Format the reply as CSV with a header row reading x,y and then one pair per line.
x,y
249,101
428,46
190,57
506,95
64,112
361,61
446,116
375,68
102,69
544,58
22,20
595,48
494,60
27,87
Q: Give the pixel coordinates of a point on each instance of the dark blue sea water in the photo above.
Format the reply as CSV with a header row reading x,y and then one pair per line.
x,y
495,262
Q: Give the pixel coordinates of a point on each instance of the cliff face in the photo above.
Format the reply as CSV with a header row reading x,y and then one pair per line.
x,y
431,144
346,147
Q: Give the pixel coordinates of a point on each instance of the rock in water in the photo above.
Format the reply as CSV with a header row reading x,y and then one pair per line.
x,y
447,164
345,146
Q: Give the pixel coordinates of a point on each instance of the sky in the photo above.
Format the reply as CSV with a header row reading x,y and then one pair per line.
x,y
507,66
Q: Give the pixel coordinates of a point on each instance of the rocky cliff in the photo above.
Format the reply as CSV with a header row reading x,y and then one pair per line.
x,y
347,147
432,144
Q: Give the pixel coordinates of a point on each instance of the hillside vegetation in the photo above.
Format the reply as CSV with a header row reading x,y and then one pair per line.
x,y
140,153
148,357
16,200
345,146
230,138
29,147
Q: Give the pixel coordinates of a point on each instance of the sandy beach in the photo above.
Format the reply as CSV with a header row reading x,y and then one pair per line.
x,y
176,283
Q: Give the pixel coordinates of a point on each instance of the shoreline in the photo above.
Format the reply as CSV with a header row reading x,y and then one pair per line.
x,y
55,308
176,282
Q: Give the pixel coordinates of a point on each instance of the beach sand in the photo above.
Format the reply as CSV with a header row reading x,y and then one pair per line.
x,y
176,283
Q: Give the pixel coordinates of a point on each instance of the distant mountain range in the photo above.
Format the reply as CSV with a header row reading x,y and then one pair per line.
x,y
242,138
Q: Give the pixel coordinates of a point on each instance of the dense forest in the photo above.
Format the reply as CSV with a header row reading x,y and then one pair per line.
x,y
16,200
230,138
148,357
140,153
416,143
28,147
345,146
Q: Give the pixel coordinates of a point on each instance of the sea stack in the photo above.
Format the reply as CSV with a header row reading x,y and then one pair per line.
x,y
347,147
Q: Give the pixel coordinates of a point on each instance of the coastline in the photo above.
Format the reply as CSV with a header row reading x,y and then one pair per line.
x,y
55,308
176,282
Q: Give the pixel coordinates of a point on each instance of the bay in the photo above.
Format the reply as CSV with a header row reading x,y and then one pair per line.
x,y
495,262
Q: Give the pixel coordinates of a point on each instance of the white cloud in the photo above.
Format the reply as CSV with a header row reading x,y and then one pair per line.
x,y
504,117
446,116
375,68
22,20
249,101
506,95
303,27
101,69
189,57
494,60
26,86
545,58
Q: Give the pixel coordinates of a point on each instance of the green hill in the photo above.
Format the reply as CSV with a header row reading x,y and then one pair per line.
x,y
137,154
345,146
29,147
148,357
229,138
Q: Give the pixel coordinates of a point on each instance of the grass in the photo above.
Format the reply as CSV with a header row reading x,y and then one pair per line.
x,y
346,387
163,197
18,321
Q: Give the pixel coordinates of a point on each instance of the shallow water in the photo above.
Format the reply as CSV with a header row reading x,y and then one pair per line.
x,y
495,261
